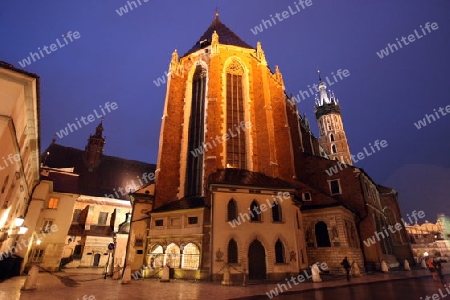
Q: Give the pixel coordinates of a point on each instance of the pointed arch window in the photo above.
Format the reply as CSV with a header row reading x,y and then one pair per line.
x,y
255,213
331,137
322,236
235,145
232,253
333,149
194,170
279,252
276,212
231,210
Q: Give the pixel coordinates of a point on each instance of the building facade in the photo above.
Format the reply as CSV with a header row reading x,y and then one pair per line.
x,y
19,152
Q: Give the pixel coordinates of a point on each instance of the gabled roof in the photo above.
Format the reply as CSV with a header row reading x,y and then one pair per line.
x,y
226,36
111,174
242,177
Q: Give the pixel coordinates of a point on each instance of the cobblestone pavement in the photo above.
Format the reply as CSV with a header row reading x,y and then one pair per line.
x,y
89,283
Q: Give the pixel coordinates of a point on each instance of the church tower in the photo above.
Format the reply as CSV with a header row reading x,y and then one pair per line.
x,y
332,136
224,108
94,148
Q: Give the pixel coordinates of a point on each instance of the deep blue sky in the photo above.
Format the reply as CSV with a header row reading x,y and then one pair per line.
x,y
118,57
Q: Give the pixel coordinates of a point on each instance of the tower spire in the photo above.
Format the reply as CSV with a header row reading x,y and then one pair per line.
x,y
216,15
94,148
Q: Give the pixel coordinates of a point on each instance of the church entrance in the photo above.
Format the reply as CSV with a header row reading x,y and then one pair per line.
x,y
256,261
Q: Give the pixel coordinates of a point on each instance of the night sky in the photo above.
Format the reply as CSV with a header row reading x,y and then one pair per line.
x,y
118,58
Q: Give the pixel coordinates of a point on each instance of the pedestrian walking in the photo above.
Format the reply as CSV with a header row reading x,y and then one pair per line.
x,y
347,267
438,267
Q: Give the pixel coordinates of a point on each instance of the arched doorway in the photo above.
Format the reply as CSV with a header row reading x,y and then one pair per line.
x,y
96,259
256,261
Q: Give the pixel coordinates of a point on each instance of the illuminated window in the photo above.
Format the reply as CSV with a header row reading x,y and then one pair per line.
x,y
156,259
37,255
53,203
191,257
235,145
172,257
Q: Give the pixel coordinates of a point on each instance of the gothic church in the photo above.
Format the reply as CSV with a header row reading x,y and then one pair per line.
x,y
240,178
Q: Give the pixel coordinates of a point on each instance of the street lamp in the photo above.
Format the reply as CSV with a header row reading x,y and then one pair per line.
x,y
18,228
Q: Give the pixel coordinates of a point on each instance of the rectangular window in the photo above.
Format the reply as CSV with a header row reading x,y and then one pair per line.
x,y
53,203
76,215
37,255
46,226
159,222
335,187
102,218
192,220
307,196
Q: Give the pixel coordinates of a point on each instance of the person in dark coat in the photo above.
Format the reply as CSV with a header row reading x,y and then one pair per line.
x,y
438,268
347,267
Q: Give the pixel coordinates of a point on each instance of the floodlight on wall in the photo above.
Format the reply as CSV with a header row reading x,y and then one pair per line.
x,y
23,230
19,221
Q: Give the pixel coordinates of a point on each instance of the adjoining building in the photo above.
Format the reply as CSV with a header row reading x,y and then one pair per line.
x,y
81,201
19,153
429,239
